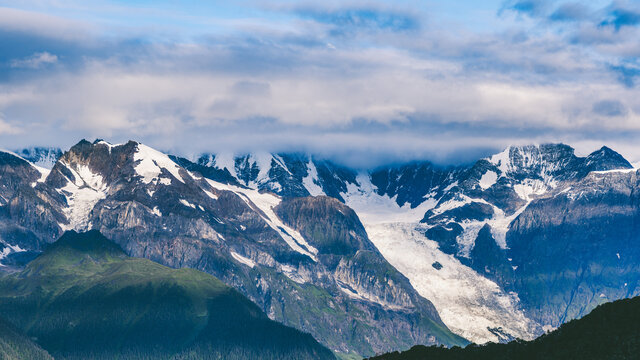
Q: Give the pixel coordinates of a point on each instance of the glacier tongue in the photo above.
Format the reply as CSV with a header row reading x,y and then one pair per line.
x,y
468,303
82,194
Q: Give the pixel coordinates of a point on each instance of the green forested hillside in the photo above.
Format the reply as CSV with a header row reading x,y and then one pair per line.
x,y
611,331
85,299
16,346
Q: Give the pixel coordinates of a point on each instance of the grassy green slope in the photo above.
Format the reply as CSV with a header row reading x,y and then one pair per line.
x,y
85,299
611,331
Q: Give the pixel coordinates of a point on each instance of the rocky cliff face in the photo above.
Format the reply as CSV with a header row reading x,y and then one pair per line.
x,y
477,215
307,262
577,247
506,247
29,212
539,221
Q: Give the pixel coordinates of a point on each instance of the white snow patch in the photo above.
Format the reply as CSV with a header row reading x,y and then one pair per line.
x,y
82,195
187,204
467,302
293,274
8,250
453,203
363,295
500,223
265,202
44,172
225,161
210,194
156,211
374,208
311,181
488,179
451,186
151,162
502,160
109,145
529,188
263,161
243,260
548,328
616,171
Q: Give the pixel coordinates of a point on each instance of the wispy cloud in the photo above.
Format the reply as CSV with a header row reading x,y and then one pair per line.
x,y
35,61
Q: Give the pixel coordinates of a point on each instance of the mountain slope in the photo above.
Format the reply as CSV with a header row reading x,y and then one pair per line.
x,y
461,237
14,345
84,298
611,331
464,236
184,214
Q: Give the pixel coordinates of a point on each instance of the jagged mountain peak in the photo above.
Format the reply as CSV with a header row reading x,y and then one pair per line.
x,y
606,159
533,160
553,159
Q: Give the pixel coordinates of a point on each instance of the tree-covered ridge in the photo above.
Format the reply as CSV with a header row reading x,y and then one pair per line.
x,y
14,345
611,331
85,299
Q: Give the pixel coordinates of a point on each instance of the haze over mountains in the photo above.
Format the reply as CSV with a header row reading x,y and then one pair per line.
x,y
505,248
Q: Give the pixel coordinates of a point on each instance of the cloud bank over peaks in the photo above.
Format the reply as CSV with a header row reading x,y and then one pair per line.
x,y
366,82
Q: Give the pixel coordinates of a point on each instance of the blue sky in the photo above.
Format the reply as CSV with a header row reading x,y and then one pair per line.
x,y
366,82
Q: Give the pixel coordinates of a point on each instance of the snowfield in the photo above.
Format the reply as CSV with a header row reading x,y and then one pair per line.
x,y
468,303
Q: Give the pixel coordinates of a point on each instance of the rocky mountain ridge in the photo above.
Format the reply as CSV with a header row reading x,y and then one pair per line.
x,y
458,216
460,236
261,244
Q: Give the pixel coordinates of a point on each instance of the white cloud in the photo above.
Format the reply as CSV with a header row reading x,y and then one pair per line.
x,y
8,129
383,94
35,61
44,25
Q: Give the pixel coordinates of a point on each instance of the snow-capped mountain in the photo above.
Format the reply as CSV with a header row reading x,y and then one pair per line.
x,y
307,261
448,229
510,246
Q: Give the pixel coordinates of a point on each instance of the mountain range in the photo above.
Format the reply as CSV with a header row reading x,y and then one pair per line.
x,y
367,262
